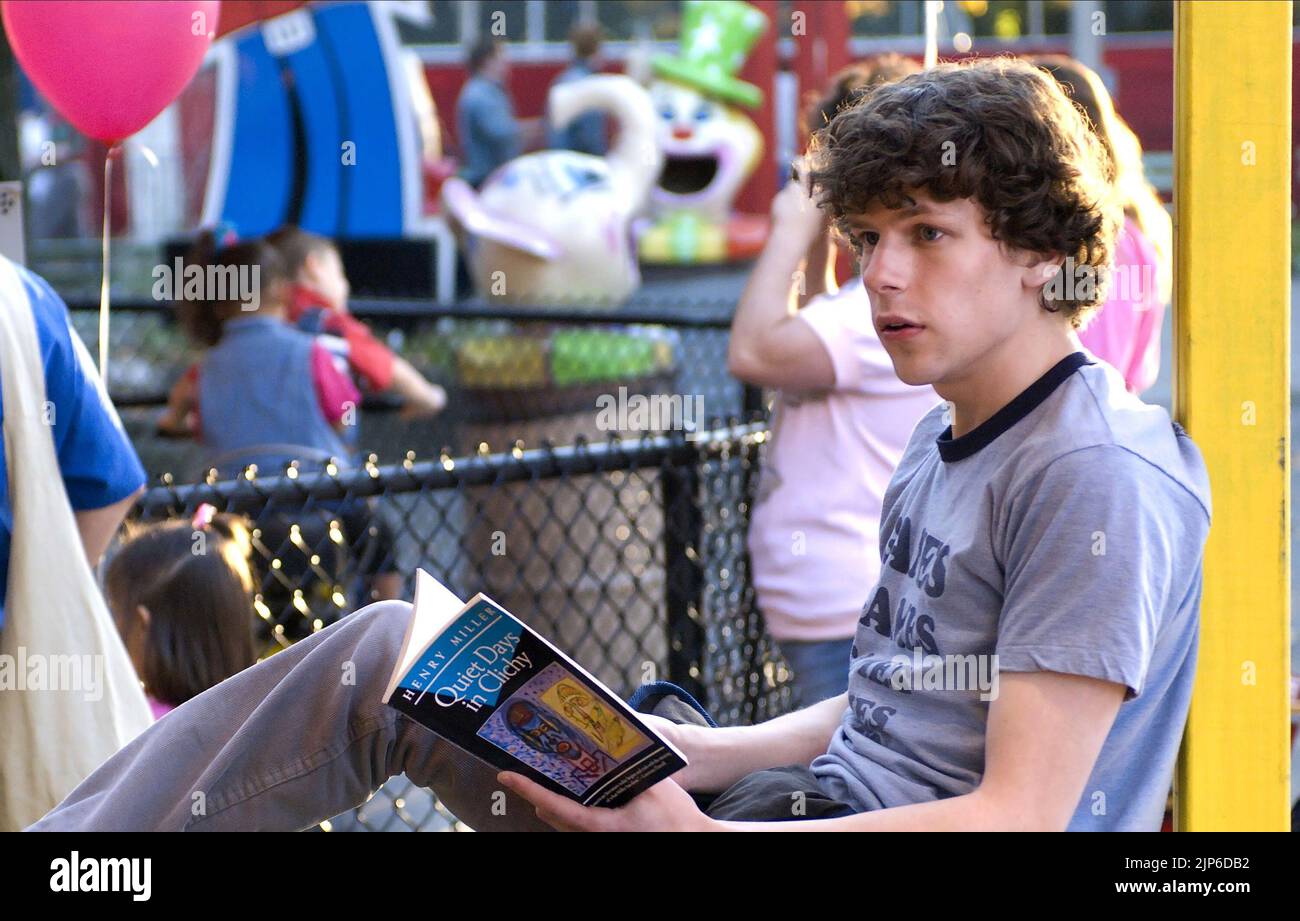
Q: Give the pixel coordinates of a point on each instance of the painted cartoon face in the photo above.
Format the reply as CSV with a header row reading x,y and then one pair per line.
x,y
538,732
709,149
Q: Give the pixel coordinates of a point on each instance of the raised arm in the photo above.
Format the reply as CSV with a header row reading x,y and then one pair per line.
x,y
819,270
419,397
177,420
770,346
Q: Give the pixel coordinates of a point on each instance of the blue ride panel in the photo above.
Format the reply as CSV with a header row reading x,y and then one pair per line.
x,y
372,188
316,91
258,200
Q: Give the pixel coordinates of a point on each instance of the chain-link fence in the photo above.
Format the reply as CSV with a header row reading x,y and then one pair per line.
x,y
628,554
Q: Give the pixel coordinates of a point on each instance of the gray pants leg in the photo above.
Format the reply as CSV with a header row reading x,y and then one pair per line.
x,y
283,745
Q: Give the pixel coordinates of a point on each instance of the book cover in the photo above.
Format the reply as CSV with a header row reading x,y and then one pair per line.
x,y
482,679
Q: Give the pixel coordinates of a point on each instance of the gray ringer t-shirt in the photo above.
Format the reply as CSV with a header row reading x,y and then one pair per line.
x,y
1064,534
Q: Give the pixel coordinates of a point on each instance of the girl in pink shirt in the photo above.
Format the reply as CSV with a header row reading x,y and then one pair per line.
x,y
1125,332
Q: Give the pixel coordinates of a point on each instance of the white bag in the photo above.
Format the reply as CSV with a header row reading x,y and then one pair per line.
x,y
50,740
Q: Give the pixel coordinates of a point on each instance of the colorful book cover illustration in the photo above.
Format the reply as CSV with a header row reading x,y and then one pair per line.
x,y
480,678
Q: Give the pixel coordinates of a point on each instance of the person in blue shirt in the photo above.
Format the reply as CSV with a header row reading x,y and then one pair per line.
x,y
586,133
97,463
489,133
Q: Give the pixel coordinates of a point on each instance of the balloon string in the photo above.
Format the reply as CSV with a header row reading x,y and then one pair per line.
x,y
103,278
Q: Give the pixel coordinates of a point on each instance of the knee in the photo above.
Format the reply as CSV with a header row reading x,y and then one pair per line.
x,y
358,652
372,637
383,621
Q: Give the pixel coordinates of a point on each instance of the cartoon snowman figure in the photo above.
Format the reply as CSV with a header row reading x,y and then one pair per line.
x,y
710,146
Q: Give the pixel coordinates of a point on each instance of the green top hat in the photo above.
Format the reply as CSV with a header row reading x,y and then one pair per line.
x,y
716,38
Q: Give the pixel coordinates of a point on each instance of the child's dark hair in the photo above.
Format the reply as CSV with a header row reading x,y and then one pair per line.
x,y
203,318
998,131
196,582
295,245
848,86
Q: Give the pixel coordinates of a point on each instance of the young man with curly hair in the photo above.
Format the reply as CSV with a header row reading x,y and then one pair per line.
x,y
1042,520
1025,659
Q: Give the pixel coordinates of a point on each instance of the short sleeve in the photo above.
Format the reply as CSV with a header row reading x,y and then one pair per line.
x,y
1090,553
98,464
1126,330
843,324
335,391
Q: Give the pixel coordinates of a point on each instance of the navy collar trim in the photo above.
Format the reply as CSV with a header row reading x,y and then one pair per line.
x,y
955,449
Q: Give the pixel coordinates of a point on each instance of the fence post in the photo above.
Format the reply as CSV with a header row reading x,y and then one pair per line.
x,y
683,574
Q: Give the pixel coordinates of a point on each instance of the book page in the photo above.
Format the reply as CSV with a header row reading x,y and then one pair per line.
x,y
435,607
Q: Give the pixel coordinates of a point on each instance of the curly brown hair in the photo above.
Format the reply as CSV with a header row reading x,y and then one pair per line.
x,y
995,130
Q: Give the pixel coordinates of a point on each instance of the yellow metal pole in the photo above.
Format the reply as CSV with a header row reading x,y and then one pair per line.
x,y
1232,388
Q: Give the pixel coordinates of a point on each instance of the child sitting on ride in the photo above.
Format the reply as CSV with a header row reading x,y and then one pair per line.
x,y
264,393
318,303
268,394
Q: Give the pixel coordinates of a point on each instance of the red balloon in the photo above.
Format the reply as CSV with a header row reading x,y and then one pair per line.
x,y
110,66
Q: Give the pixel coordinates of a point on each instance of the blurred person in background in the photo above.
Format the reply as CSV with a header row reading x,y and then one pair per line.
x,y
267,394
586,133
486,126
318,304
263,391
840,422
59,187
1126,331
